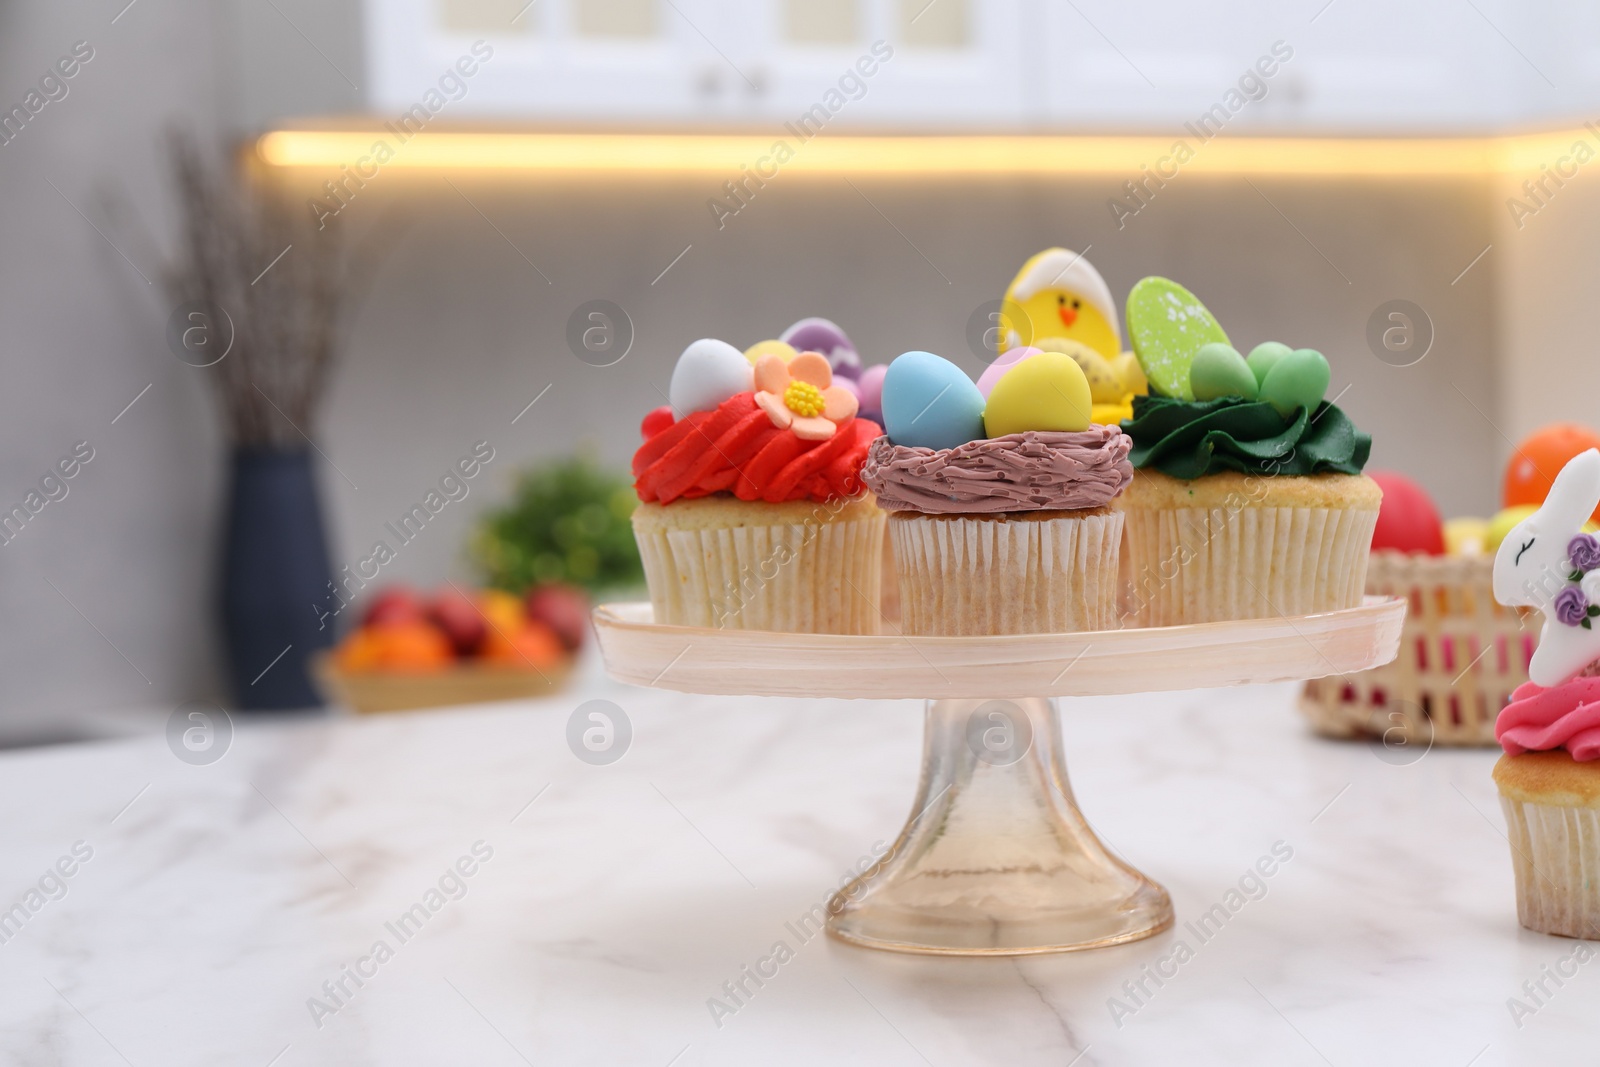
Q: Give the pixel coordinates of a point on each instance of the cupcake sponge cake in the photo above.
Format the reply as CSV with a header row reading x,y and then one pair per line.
x,y
752,513
1549,777
1249,501
998,504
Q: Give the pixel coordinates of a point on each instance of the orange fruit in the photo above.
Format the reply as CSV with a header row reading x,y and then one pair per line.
x,y
361,650
502,611
413,647
533,645
1539,459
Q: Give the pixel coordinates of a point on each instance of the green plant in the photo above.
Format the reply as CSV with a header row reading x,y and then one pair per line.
x,y
567,522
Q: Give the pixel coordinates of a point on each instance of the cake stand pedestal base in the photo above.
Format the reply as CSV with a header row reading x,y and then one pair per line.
x,y
996,859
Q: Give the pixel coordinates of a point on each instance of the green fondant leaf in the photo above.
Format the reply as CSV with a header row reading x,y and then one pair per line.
x,y
1188,439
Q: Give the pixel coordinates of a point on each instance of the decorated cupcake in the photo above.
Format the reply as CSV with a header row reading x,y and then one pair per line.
x,y
998,494
752,513
1249,500
1549,777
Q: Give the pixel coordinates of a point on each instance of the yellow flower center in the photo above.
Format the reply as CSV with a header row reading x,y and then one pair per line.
x,y
803,399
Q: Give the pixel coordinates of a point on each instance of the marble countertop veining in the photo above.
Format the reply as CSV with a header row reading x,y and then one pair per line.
x,y
533,908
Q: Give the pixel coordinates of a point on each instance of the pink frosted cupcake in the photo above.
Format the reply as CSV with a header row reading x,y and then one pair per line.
x,y
1549,778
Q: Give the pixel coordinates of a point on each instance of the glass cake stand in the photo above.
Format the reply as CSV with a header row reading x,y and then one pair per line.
x,y
996,859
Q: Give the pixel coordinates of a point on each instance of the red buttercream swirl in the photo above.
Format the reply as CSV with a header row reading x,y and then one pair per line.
x,y
736,449
1564,716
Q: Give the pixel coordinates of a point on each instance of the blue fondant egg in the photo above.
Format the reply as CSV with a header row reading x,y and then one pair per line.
x,y
929,402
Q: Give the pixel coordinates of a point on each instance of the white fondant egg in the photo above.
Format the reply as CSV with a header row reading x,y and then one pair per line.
x,y
708,372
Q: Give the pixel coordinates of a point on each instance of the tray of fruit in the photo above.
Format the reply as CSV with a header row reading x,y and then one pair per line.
x,y
457,646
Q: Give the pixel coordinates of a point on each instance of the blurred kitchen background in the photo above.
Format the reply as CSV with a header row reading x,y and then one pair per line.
x,y
1429,117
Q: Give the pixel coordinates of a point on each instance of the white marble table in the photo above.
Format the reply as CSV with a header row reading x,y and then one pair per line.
x,y
619,902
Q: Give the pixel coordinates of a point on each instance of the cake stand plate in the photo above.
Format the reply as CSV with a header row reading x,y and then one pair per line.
x,y
996,859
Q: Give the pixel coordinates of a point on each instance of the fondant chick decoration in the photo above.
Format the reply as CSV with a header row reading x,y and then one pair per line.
x,y
1062,295
1548,562
1059,303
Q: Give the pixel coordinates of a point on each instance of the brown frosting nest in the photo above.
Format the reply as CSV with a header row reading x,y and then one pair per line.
x,y
1030,471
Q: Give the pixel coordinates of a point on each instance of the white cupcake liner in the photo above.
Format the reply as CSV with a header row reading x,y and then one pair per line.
x,y
812,577
973,575
1189,565
1555,852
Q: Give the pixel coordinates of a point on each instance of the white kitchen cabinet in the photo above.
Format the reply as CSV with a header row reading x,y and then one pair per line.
x,y
1351,66
697,61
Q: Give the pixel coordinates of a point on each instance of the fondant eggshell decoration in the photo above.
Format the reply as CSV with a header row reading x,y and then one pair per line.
x,y
1537,562
1047,392
870,386
708,372
1264,356
1219,370
1004,362
929,402
1298,380
1168,326
780,349
825,336
1062,296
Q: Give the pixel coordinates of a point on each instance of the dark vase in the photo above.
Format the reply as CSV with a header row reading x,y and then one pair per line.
x,y
275,577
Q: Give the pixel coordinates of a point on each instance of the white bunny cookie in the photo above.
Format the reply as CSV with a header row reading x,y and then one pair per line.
x,y
1548,562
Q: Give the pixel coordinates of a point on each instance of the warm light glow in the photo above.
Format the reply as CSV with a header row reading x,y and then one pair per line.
x,y
832,153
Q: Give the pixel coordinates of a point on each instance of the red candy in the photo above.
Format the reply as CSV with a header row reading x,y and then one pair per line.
x,y
655,421
1407,519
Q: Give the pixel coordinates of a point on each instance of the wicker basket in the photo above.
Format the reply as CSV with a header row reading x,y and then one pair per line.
x,y
1461,655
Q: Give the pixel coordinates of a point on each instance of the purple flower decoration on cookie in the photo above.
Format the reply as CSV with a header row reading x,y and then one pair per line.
x,y
1584,552
1572,607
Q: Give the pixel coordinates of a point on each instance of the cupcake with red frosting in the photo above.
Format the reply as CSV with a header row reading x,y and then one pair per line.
x,y
752,513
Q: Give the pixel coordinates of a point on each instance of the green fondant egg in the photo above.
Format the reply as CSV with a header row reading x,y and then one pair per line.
x,y
1219,370
1168,326
1298,380
1264,356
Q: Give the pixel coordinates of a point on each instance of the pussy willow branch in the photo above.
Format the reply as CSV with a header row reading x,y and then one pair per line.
x,y
286,321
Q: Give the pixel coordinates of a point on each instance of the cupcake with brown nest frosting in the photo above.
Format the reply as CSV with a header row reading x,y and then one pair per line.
x,y
1007,532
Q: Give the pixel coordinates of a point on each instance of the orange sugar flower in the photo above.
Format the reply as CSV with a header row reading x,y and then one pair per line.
x,y
800,395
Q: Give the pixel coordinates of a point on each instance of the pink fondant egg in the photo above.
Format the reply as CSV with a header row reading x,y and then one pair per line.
x,y
1005,362
870,386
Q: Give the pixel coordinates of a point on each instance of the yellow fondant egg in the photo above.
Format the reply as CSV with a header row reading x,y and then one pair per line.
x,y
782,349
1044,392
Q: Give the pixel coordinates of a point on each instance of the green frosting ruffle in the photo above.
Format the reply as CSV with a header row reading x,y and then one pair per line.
x,y
1187,438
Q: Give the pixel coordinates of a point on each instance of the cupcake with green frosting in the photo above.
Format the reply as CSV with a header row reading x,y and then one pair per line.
x,y
1248,499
